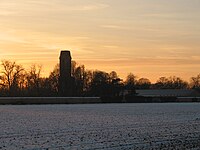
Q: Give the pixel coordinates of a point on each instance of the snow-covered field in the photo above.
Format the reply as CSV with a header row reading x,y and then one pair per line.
x,y
100,126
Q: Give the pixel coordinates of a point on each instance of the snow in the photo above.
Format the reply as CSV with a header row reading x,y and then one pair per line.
x,y
100,126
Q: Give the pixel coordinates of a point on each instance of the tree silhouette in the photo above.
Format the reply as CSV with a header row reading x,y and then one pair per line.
x,y
172,82
54,80
12,77
115,84
34,80
195,82
16,81
130,84
143,83
99,84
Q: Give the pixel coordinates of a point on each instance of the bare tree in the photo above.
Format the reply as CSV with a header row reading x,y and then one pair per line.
x,y
34,80
130,83
177,83
12,76
54,79
99,84
172,82
195,82
131,80
143,83
88,76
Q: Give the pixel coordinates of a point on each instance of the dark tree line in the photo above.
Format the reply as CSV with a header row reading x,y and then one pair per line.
x,y
17,81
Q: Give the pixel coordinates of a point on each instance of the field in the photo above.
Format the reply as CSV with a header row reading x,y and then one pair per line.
x,y
100,126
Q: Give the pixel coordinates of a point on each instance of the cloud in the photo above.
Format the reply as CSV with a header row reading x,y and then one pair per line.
x,y
5,13
147,61
6,37
32,8
87,7
116,27
111,46
160,15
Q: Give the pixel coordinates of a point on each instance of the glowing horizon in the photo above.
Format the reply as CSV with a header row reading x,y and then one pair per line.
x,y
150,38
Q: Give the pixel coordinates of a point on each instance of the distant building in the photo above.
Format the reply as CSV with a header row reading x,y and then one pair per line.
x,y
168,93
65,79
162,95
186,95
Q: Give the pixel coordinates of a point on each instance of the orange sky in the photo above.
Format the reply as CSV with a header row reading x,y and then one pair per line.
x,y
150,38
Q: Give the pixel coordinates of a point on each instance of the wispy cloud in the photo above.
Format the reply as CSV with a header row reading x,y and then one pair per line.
x,y
5,12
9,37
158,15
116,27
24,8
87,7
111,46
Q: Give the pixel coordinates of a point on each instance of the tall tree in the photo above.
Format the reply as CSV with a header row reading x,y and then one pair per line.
x,y
79,75
99,84
54,79
88,77
34,80
143,83
172,82
130,83
115,83
177,83
195,82
11,77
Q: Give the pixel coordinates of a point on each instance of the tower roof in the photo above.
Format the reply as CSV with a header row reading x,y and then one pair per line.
x,y
65,53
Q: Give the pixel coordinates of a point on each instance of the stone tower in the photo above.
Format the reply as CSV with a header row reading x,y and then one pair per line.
x,y
65,79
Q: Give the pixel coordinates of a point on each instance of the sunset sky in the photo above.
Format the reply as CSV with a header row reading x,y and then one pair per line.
x,y
150,38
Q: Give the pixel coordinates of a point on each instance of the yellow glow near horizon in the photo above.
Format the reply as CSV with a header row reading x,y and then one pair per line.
x,y
150,38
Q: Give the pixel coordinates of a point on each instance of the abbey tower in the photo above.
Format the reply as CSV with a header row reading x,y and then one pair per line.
x,y
65,79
